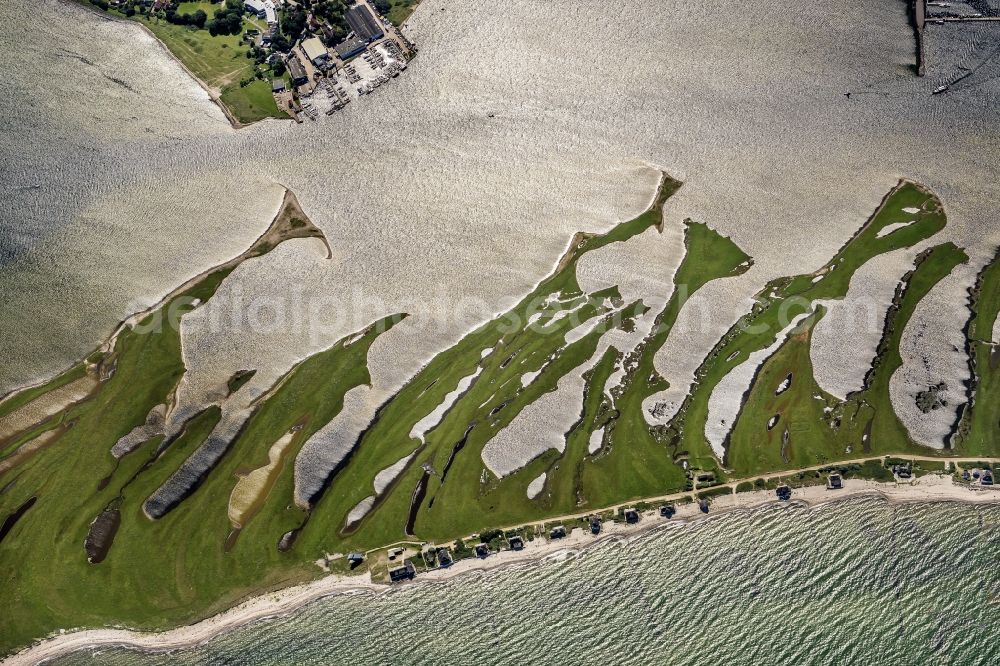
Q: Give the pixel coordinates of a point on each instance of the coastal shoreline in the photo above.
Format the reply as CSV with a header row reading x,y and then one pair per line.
x,y
216,97
288,202
930,489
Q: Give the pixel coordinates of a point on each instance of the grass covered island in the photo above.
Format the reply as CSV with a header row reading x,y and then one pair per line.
x,y
114,510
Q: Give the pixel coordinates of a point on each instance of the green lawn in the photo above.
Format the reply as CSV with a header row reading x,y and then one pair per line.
x,y
252,102
168,571
978,434
400,10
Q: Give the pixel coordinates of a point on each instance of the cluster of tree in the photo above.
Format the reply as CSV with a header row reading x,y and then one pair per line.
x,y
332,11
383,6
293,22
197,19
228,20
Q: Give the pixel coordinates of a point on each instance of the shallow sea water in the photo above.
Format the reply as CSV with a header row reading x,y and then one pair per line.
x,y
859,581
446,212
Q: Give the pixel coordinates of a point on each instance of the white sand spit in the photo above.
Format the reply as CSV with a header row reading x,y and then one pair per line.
x,y
248,489
727,398
536,486
431,421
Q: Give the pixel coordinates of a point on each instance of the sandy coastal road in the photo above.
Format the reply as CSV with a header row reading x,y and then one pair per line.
x,y
673,497
931,488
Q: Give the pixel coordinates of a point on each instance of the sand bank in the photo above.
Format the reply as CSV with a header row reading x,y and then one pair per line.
x,y
932,488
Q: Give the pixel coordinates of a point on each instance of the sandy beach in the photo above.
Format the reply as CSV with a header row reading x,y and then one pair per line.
x,y
931,488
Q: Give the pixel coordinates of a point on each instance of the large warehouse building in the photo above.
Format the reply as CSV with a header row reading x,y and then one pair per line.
x,y
363,23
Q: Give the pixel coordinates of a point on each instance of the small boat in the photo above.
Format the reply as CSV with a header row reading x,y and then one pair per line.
x,y
939,90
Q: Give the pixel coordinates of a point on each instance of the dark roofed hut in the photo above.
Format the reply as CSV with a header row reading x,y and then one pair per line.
x,y
297,72
595,525
405,572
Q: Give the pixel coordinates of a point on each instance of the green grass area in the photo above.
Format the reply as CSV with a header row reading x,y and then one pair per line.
x,y
813,427
252,102
190,563
145,577
165,572
400,10
801,435
642,461
219,61
785,298
191,7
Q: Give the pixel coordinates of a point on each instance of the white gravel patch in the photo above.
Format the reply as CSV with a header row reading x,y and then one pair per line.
x,y
584,329
361,509
389,474
153,426
529,377
595,442
329,445
889,228
701,322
